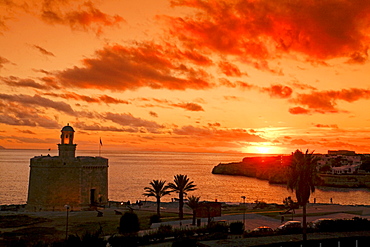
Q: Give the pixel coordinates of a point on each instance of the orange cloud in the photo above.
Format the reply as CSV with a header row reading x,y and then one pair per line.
x,y
299,110
243,85
128,68
278,91
229,69
326,101
298,142
259,30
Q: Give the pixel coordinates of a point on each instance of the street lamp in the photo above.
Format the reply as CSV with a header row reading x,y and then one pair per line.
x,y
67,208
243,210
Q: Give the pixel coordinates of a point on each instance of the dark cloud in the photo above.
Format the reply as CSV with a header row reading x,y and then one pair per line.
x,y
17,82
333,126
90,99
141,125
99,127
213,133
214,125
81,17
153,114
47,83
43,51
18,115
189,106
2,59
30,140
169,104
129,68
38,101
27,132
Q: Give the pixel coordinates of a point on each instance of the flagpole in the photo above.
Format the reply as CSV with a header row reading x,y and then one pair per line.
x,y
100,144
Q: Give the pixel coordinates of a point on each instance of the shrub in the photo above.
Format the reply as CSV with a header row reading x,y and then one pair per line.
x,y
237,227
218,227
164,231
129,223
155,219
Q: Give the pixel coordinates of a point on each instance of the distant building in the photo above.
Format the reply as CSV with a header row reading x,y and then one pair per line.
x,y
55,181
346,169
341,152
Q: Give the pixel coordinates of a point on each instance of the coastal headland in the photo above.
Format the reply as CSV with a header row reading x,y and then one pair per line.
x,y
274,169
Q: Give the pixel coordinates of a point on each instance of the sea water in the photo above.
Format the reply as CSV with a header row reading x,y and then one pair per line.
x,y
130,172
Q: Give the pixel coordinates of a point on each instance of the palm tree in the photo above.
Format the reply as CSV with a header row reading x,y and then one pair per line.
x,y
157,189
302,175
193,203
181,185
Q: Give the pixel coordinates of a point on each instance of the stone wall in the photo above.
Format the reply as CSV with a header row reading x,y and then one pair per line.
x,y
55,182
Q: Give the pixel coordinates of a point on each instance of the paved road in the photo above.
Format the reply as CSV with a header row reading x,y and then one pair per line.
x,y
253,220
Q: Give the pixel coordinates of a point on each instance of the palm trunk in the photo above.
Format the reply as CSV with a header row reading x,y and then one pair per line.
x,y
194,217
181,205
159,207
304,230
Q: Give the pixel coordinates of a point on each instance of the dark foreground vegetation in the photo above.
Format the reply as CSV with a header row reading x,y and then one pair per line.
x,y
191,236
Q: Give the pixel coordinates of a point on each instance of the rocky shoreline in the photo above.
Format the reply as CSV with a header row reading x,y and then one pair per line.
x,y
274,169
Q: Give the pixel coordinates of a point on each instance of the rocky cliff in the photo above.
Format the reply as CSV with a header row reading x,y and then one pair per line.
x,y
272,169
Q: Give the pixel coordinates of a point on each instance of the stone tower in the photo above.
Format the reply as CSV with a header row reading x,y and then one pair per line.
x,y
80,182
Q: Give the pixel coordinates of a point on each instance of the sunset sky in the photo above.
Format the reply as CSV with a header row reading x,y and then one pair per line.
x,y
252,76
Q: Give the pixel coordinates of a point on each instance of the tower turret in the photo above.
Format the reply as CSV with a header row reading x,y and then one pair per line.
x,y
66,147
67,135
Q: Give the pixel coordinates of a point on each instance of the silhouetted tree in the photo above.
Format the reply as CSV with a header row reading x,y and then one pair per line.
x,y
157,189
181,185
193,203
302,175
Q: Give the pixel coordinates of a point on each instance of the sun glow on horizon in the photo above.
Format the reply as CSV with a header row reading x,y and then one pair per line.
x,y
264,149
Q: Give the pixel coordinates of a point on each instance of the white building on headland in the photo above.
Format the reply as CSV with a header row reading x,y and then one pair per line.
x,y
340,161
55,181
